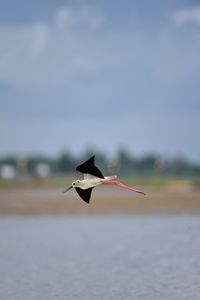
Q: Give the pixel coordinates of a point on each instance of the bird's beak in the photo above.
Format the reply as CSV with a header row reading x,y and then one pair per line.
x,y
69,188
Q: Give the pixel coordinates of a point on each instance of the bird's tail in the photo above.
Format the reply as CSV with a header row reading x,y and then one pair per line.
x,y
110,177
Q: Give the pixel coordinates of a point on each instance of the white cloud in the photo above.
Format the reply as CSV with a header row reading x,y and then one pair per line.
x,y
78,41
79,18
184,16
39,39
45,53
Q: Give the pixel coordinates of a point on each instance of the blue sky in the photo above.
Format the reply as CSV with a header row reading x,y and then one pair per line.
x,y
102,74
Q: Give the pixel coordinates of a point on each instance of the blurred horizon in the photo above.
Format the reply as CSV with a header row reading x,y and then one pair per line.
x,y
77,75
124,163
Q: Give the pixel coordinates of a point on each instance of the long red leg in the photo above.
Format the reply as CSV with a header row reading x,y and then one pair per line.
x,y
114,182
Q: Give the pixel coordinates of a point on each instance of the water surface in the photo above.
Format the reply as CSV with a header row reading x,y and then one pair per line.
x,y
112,257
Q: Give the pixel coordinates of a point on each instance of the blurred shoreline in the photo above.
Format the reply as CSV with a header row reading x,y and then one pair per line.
x,y
36,197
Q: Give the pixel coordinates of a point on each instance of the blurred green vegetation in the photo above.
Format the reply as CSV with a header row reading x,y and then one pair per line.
x,y
147,168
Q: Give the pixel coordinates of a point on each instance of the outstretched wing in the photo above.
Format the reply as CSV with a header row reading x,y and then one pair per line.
x,y
85,194
88,167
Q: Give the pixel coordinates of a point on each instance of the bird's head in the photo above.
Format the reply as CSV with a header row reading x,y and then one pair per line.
x,y
76,183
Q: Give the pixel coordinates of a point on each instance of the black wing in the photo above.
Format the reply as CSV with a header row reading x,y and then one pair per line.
x,y
85,194
88,167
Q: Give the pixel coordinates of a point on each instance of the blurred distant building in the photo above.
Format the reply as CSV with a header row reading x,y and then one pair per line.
x,y
113,167
42,170
8,172
159,166
21,162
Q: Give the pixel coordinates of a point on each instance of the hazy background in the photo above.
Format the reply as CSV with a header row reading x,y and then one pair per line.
x,y
101,74
119,79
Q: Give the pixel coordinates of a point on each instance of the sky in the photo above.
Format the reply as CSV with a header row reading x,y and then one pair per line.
x,y
100,74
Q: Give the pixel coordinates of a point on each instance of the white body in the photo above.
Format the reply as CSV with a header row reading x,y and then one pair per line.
x,y
90,181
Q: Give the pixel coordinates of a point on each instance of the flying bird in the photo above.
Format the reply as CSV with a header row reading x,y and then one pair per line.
x,y
93,177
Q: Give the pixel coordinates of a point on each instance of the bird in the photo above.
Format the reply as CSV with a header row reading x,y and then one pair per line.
x,y
93,177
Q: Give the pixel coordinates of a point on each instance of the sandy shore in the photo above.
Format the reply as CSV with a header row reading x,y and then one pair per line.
x,y
105,200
